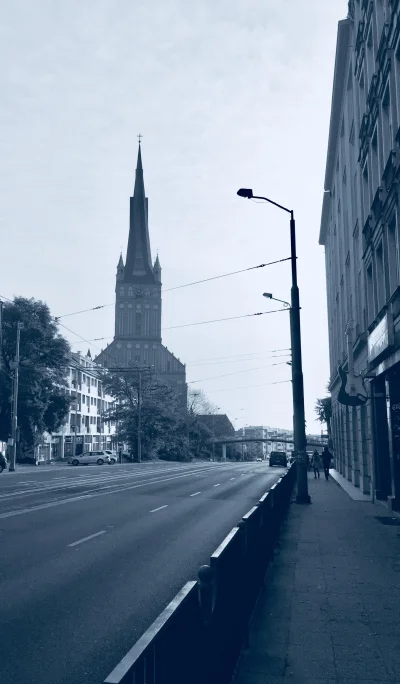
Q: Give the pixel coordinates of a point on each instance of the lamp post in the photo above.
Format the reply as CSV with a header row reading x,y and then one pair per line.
x,y
268,295
299,429
14,424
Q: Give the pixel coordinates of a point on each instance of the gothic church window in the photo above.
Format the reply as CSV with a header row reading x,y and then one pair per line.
x,y
130,292
138,322
121,291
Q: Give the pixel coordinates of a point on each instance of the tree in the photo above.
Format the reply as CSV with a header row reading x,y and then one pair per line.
x,y
164,429
323,409
44,361
199,433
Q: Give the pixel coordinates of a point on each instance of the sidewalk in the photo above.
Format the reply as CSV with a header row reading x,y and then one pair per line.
x,y
330,609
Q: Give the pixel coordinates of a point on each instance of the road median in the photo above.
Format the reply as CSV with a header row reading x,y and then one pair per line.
x,y
198,637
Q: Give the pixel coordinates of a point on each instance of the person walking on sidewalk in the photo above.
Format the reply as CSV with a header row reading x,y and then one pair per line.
x,y
326,460
316,463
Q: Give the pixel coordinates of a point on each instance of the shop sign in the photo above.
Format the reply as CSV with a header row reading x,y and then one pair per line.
x,y
381,338
68,439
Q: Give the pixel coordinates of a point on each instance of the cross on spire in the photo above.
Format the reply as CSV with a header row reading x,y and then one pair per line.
x,y
140,138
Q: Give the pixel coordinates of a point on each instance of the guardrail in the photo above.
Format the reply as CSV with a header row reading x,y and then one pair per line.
x,y
198,637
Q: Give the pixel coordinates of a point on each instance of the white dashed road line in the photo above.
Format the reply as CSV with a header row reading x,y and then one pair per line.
x,y
195,494
217,485
159,508
232,478
91,536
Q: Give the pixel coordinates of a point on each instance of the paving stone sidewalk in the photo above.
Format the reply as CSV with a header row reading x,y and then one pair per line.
x,y
330,609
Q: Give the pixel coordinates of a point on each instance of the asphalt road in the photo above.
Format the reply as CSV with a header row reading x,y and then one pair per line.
x,y
91,555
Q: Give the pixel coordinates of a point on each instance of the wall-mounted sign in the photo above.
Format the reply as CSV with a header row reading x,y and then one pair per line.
x,y
381,338
68,439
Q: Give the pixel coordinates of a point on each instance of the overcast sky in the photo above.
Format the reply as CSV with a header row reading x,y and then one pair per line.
x,y
227,94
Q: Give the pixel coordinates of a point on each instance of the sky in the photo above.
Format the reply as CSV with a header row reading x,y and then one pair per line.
x,y
227,94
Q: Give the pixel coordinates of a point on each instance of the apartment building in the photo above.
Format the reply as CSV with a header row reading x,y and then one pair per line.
x,y
87,427
360,234
279,434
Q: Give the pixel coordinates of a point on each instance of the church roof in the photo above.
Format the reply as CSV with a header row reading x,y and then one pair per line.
x,y
138,264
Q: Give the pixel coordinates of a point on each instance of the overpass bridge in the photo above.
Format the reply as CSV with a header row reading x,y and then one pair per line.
x,y
243,440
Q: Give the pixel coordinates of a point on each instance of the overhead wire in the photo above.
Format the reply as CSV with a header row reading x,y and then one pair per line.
x,y
248,370
234,389
178,287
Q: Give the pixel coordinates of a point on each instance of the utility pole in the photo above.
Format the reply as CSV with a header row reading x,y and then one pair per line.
x,y
1,334
299,423
15,403
139,436
299,427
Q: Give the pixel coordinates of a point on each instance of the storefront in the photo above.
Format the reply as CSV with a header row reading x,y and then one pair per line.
x,y
384,369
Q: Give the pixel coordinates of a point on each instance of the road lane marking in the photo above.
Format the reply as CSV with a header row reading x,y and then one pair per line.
x,y
159,508
217,485
231,478
195,494
99,480
93,494
91,536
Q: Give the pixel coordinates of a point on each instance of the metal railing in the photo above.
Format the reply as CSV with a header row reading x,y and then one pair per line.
x,y
199,636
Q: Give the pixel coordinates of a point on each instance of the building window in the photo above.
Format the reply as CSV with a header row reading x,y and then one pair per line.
x,y
130,292
386,124
121,291
351,136
83,399
380,278
138,322
375,160
366,193
393,256
370,295
362,93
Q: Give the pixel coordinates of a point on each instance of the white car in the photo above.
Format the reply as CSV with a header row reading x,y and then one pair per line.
x,y
88,457
112,456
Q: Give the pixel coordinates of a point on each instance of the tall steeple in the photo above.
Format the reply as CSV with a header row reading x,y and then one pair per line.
x,y
138,264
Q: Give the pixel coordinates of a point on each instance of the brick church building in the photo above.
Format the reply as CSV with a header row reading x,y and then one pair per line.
x,y
138,302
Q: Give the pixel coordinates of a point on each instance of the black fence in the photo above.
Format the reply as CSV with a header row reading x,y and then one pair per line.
x,y
197,639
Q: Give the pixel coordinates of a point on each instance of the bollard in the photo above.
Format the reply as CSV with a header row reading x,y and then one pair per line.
x,y
206,593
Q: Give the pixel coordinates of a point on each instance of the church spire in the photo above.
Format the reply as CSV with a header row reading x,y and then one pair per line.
x,y
138,257
139,180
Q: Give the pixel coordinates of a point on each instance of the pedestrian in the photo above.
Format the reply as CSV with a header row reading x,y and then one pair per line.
x,y
326,460
316,463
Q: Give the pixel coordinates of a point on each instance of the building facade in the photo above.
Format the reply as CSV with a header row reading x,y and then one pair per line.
x,y
276,434
360,234
138,302
87,427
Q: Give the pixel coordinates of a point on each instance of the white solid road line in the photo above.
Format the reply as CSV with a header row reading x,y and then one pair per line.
x,y
91,536
159,508
217,485
195,494
90,480
100,492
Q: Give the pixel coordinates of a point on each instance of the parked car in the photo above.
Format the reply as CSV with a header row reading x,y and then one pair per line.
x,y
88,457
258,459
113,456
278,458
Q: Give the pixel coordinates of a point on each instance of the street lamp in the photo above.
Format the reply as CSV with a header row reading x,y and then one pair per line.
x,y
299,429
269,296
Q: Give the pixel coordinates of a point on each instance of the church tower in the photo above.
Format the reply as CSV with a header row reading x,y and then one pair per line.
x,y
138,285
137,335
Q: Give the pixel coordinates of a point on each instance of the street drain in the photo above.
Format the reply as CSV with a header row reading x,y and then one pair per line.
x,y
388,521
